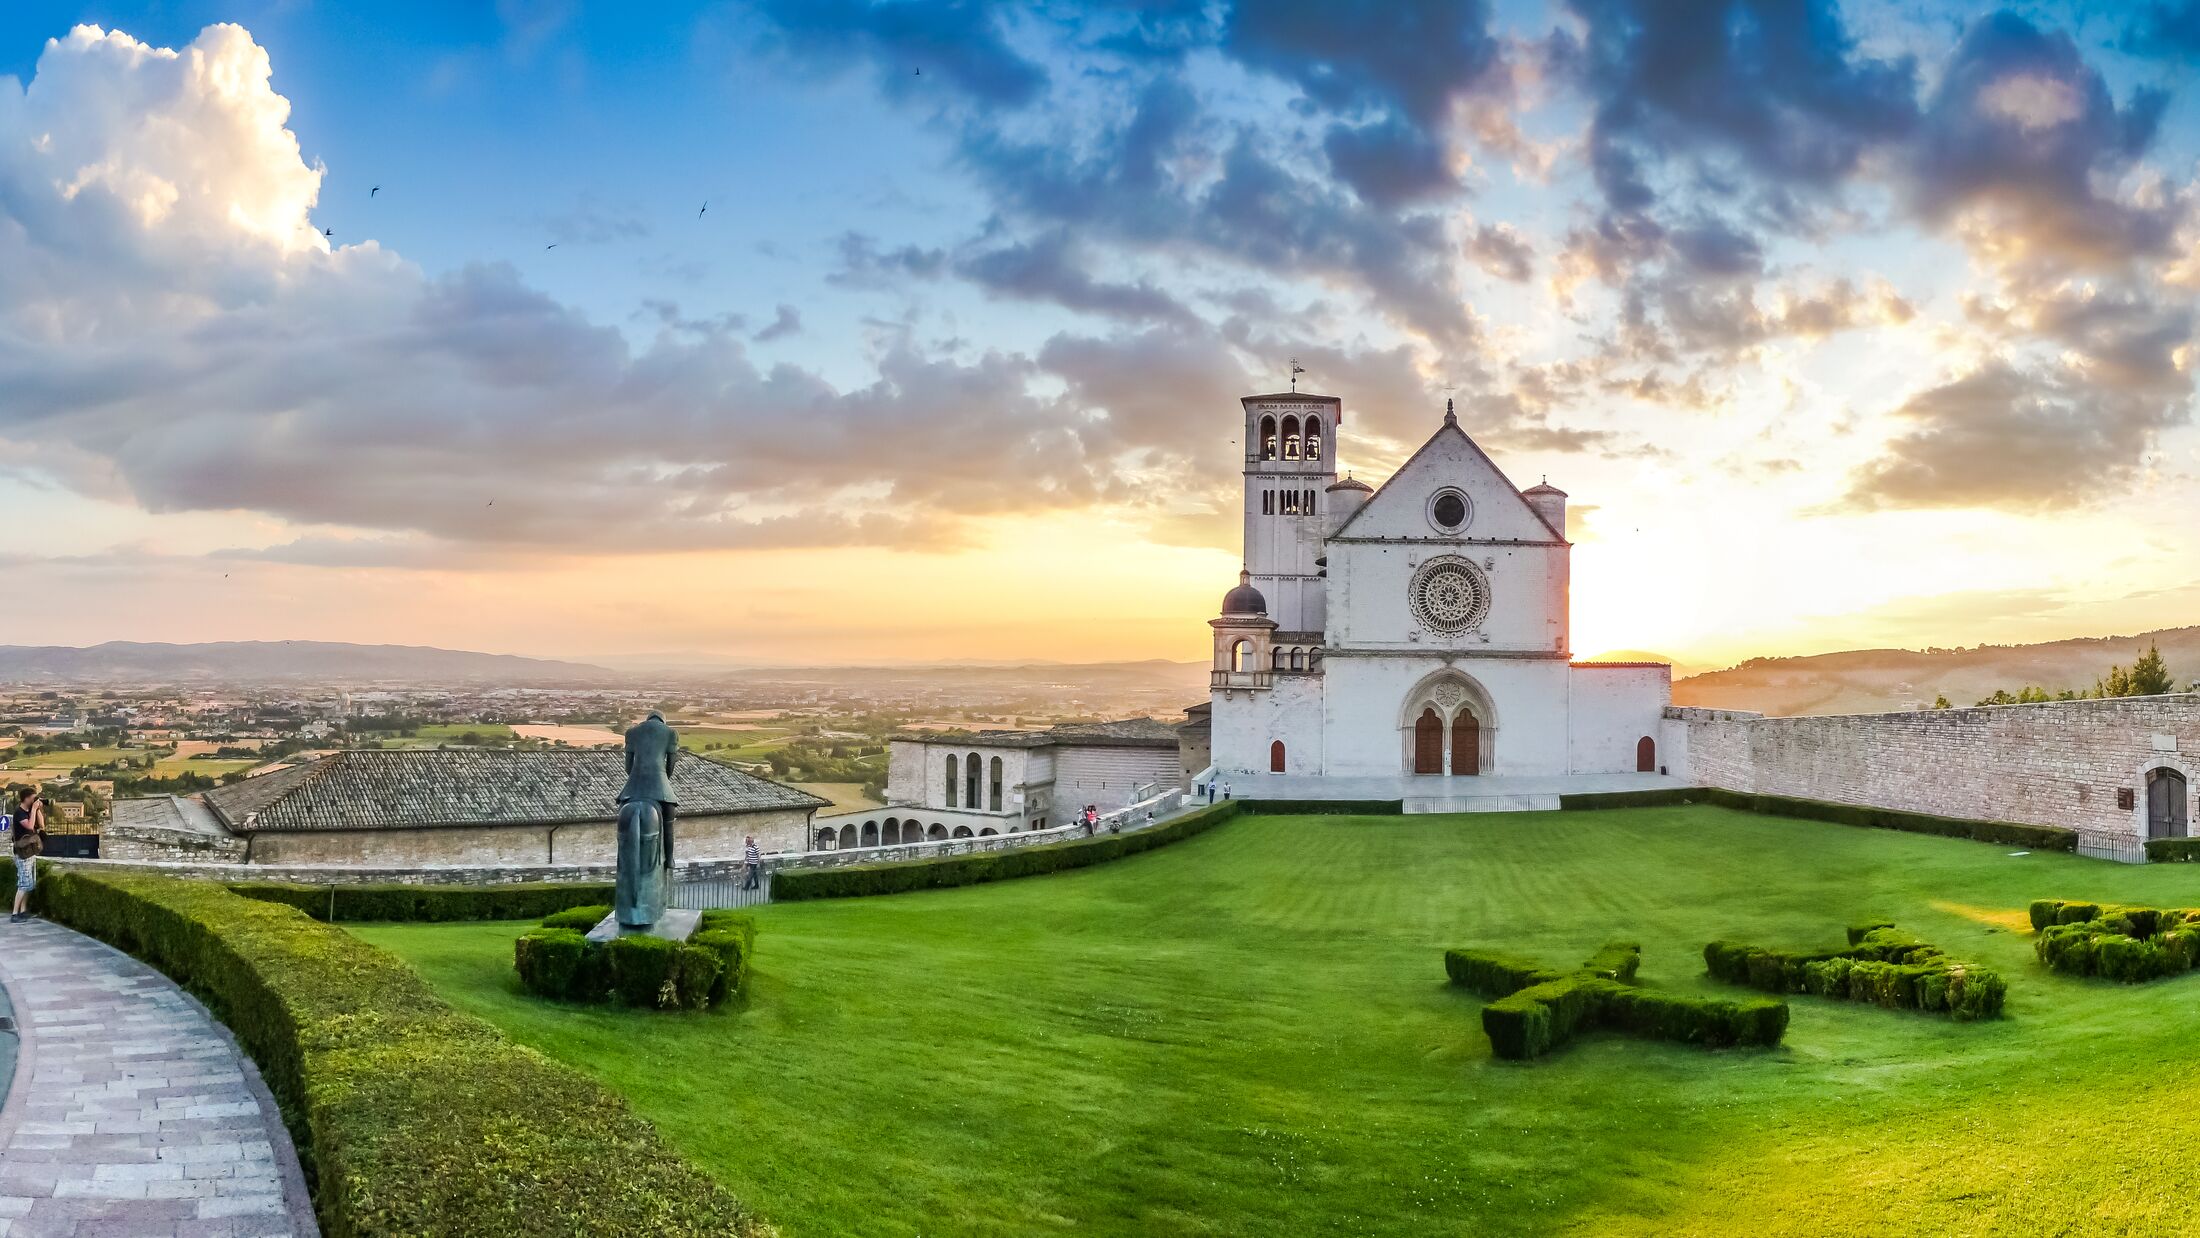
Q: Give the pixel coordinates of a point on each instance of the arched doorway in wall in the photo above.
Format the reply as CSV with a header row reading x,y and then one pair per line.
x,y
1428,743
2166,800
1448,725
962,831
938,832
1466,742
847,837
1275,757
1646,755
870,833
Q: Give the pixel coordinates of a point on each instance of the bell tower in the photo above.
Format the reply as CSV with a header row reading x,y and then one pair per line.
x,y
1290,461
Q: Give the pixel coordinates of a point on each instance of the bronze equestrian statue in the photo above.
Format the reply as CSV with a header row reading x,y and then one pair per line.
x,y
646,808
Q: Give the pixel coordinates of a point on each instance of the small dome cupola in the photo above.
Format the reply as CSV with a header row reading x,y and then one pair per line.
x,y
1245,599
1345,498
1549,502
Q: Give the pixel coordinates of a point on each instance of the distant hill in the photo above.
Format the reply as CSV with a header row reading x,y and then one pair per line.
x,y
1188,677
321,662
1880,680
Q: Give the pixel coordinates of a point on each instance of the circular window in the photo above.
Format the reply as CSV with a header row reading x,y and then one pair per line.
x,y
1448,510
1449,595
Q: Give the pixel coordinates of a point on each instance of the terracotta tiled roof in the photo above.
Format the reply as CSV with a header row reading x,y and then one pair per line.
x,y
1125,733
400,789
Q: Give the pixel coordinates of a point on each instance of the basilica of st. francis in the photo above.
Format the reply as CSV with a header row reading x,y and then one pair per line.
x,y
1415,630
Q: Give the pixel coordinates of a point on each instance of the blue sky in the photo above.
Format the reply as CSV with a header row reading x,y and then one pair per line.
x,y
1844,324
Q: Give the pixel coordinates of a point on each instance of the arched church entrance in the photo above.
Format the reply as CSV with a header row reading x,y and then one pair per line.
x,y
1448,726
1646,755
2166,790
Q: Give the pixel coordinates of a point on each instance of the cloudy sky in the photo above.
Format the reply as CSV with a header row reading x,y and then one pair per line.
x,y
1844,325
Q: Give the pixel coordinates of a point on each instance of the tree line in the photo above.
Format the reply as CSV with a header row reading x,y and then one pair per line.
x,y
2147,676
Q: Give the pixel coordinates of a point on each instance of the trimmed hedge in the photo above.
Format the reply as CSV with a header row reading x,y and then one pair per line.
x,y
1657,797
2125,944
530,901
2173,850
1881,965
1535,1010
557,960
797,884
411,1118
2034,837
1324,808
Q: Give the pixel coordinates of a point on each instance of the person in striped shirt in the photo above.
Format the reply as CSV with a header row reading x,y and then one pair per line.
x,y
753,860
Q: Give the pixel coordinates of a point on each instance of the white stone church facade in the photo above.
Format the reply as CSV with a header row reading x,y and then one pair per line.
x,y
1416,631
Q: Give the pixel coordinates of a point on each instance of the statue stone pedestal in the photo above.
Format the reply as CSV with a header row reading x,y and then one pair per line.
x,y
677,924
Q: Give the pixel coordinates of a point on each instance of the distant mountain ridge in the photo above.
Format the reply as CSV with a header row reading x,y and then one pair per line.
x,y
1881,680
271,661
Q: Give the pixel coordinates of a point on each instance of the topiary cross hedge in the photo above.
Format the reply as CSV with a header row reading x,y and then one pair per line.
x,y
1534,1009
1880,965
2128,944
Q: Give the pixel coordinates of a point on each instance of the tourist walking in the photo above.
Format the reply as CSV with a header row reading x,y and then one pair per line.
x,y
1210,789
1226,790
753,861
27,840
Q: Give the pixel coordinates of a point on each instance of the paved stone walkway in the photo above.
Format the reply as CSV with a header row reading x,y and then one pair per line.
x,y
132,1113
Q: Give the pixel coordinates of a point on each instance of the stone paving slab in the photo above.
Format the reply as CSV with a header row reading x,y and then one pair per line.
x,y
132,1114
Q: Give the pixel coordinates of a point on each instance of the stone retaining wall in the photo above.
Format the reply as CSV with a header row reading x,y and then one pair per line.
x,y
2057,763
209,869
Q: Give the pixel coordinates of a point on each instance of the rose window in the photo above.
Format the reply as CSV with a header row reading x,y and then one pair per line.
x,y
1450,595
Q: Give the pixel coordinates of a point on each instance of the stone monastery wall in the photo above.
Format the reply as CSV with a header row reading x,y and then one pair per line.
x,y
2059,763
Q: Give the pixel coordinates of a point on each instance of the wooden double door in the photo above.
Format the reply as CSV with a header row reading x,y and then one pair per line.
x,y
2166,804
1428,743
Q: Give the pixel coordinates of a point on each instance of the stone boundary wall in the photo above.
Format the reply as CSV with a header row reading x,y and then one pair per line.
x,y
2055,763
152,843
1162,807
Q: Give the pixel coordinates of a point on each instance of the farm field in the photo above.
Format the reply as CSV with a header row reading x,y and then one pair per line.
x,y
71,758
437,734
1250,1032
846,796
577,736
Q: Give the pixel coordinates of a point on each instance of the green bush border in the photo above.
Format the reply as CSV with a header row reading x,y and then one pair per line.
x,y
1325,808
1533,1010
2034,837
524,901
2173,850
1656,797
794,885
1881,965
410,1117
557,960
2126,944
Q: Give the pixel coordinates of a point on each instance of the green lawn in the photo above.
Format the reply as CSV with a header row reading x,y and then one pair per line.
x,y
1249,1033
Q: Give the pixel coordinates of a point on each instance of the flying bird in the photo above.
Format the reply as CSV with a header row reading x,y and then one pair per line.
x,y
371,192
328,232
552,245
490,503
706,206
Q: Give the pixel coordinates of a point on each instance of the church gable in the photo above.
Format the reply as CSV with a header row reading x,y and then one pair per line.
x,y
1449,461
